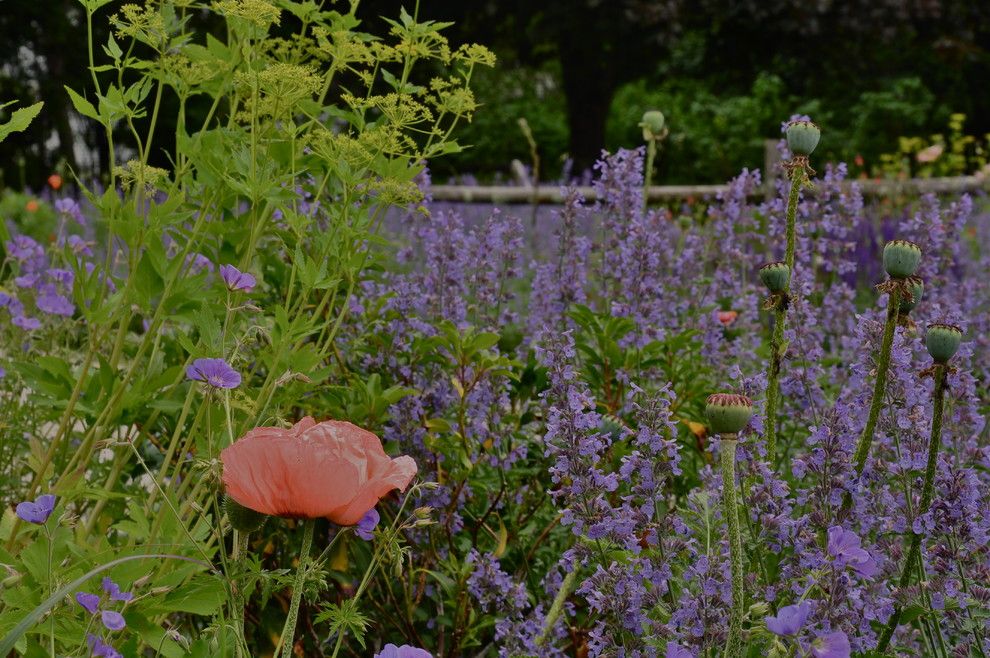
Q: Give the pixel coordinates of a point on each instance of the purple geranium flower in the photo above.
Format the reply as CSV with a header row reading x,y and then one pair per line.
x,y
91,602
113,620
113,589
789,619
831,645
38,511
26,323
237,280
366,526
405,651
675,650
844,546
215,372
100,648
52,303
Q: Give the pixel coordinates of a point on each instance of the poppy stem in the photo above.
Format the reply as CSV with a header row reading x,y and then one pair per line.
x,y
289,631
240,549
727,448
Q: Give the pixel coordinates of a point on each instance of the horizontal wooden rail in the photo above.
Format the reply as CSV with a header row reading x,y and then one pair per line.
x,y
555,194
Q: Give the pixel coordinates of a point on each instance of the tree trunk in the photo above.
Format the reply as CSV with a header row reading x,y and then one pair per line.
x,y
589,84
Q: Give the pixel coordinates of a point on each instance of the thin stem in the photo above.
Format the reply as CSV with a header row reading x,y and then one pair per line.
x,y
797,180
651,154
927,492
289,631
727,450
237,587
773,381
566,587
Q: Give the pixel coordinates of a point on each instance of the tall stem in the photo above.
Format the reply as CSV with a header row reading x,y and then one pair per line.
x,y
773,381
727,450
651,154
797,180
927,492
289,630
237,589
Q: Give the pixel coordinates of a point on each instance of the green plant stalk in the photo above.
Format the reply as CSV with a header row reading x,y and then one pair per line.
x,y
651,154
727,451
773,381
797,180
927,493
237,590
557,607
289,631
879,386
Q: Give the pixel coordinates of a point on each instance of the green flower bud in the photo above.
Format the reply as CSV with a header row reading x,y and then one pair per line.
x,y
942,341
776,276
802,137
242,518
901,258
652,124
917,286
728,413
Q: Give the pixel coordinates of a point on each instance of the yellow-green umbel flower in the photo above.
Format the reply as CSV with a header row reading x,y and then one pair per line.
x,y
802,137
728,413
652,124
917,287
942,341
776,276
901,258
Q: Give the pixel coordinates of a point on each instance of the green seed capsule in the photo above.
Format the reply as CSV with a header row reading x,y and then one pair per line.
x,y
242,518
901,258
942,341
917,286
728,413
652,124
776,276
802,137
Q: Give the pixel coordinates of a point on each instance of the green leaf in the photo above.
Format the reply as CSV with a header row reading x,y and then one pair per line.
x,y
83,106
20,120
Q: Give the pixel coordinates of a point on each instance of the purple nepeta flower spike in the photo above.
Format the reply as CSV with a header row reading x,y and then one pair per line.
x,y
113,589
789,619
215,372
366,526
831,645
405,651
844,546
91,602
237,280
38,511
113,620
675,650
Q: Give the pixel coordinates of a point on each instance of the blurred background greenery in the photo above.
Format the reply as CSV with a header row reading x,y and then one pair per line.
x,y
898,86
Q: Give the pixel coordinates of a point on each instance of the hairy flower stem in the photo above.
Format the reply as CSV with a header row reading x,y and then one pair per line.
x,y
880,385
927,492
798,177
733,646
237,590
557,607
289,630
651,154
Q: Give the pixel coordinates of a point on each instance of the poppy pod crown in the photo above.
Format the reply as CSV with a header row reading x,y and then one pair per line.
x,y
728,413
332,469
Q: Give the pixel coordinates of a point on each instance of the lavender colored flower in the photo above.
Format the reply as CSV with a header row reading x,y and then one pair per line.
x,y
675,650
70,208
237,280
100,648
215,372
113,589
844,546
366,526
51,302
26,323
405,651
37,511
790,619
831,645
112,620
91,602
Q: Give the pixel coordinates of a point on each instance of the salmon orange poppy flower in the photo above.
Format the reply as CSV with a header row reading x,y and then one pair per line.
x,y
55,181
727,317
332,469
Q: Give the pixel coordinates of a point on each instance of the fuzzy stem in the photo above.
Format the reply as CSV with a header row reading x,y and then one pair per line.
x,y
557,607
773,381
651,154
289,630
880,385
797,180
240,550
927,492
733,646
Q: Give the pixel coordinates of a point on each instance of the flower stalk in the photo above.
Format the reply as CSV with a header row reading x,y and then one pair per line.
x,y
289,630
727,450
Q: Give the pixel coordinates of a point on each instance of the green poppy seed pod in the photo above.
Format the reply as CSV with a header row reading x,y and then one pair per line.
x,y
917,287
728,413
942,341
802,137
776,276
242,518
652,124
901,258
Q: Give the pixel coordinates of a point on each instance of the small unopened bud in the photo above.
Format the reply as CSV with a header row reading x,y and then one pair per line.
x,y
653,124
776,276
802,137
901,258
942,341
728,413
424,512
917,287
242,518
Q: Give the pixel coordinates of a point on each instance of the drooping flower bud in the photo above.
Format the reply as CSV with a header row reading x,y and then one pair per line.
x,y
241,518
728,413
901,258
802,137
776,276
942,341
917,287
652,124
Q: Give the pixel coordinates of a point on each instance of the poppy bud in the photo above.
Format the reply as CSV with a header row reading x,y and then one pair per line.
x,y
728,413
776,276
901,258
652,124
241,518
802,137
942,341
917,287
